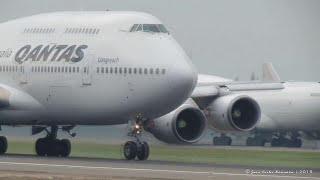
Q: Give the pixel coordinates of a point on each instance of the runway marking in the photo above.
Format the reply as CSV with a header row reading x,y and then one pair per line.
x,y
155,170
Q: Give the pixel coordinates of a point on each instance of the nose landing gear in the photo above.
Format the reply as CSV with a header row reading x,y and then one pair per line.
x,y
137,147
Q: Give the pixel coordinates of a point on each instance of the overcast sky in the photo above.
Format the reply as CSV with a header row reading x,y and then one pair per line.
x,y
228,38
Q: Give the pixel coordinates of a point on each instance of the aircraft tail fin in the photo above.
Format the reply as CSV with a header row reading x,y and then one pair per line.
x,y
268,73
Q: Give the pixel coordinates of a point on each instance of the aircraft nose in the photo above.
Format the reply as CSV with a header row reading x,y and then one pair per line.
x,y
183,77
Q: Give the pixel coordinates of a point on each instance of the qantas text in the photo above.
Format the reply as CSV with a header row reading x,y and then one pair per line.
x,y
67,53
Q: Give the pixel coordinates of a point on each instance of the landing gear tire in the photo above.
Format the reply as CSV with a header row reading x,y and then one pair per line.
x,y
143,151
3,145
130,150
41,147
53,147
64,147
222,141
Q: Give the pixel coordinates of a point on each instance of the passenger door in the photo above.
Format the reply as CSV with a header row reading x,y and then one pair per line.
x,y
23,71
87,70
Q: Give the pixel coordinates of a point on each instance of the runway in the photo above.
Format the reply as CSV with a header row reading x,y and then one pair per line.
x,y
102,168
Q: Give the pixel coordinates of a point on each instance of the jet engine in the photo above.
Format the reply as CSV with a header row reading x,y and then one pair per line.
x,y
233,113
186,124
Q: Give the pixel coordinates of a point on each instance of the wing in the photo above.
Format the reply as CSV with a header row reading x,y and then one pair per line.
x,y
210,87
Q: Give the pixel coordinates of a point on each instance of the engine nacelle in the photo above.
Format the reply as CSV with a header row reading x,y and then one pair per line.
x,y
233,113
186,124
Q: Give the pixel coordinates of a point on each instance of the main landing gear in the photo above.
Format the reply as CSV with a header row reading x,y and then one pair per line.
x,y
223,140
137,147
51,146
290,139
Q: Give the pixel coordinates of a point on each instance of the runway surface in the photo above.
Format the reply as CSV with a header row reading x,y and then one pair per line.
x,y
102,168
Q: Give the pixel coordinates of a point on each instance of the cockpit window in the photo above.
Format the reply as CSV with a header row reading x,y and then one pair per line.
x,y
139,27
163,28
153,28
134,27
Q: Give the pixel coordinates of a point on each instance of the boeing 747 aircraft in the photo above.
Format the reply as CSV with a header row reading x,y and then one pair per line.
x,y
63,69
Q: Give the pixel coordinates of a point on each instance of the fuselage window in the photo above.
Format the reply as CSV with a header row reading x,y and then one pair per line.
x,y
9,68
151,70
87,30
74,69
157,71
90,31
62,69
130,70
94,31
115,70
85,70
145,71
78,69
111,70
0,68
102,69
106,70
120,70
98,69
135,70
125,70
70,70
55,69
98,31
48,68
45,69
38,68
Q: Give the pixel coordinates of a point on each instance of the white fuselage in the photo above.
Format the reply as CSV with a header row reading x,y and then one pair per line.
x,y
296,107
98,71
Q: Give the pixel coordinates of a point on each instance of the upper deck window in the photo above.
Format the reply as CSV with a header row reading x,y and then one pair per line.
x,y
154,28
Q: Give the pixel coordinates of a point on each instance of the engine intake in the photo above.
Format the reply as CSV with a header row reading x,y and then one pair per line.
x,y
186,124
234,113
